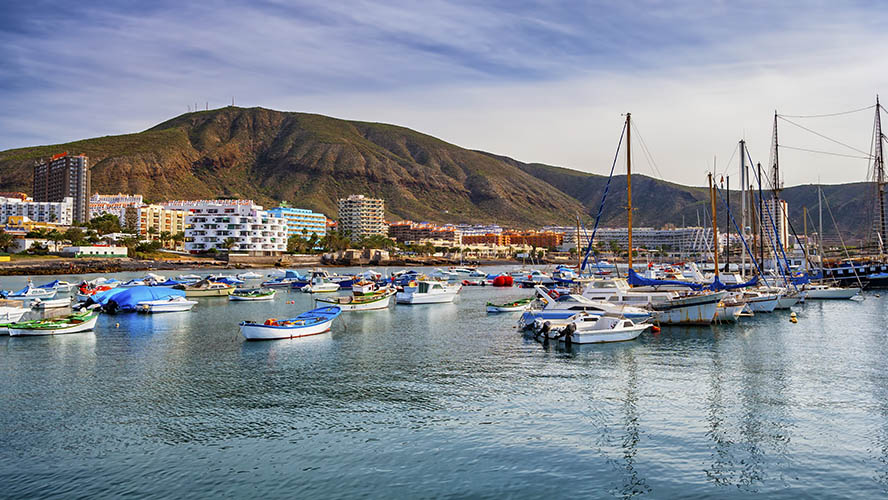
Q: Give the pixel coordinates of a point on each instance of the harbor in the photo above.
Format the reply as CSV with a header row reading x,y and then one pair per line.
x,y
405,400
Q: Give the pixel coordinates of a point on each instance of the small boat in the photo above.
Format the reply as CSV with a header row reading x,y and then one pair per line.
x,y
174,303
188,277
364,287
75,323
826,292
589,329
58,286
312,322
320,284
249,275
355,302
30,292
428,292
288,279
251,294
11,311
518,305
441,274
206,288
51,303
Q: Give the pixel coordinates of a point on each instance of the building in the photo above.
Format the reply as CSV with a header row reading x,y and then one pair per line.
x,y
58,212
22,224
64,176
678,241
538,239
775,212
150,221
209,224
470,229
95,251
361,217
114,204
14,194
494,239
301,222
423,232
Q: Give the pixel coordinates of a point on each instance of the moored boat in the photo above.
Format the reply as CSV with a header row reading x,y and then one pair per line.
x,y
51,303
428,292
589,329
826,292
174,303
515,306
75,323
356,302
252,294
206,288
312,322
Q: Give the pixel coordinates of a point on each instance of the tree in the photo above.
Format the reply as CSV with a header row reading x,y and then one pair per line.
x,y
75,235
296,244
229,244
165,237
614,247
105,224
6,240
178,238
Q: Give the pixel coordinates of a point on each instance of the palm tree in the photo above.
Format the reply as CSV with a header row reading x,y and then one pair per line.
x,y
229,244
6,240
165,237
178,238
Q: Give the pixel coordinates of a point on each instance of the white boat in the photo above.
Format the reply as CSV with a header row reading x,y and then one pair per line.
x,y
319,284
590,329
355,302
206,288
58,286
312,322
51,303
428,292
252,295
187,277
758,301
553,305
75,323
11,311
441,274
249,275
171,304
514,306
729,311
30,292
671,307
826,292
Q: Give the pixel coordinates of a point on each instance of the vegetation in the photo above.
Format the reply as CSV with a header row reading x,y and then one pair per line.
x,y
104,224
6,240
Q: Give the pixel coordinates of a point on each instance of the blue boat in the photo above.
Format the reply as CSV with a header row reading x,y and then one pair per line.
x,y
309,323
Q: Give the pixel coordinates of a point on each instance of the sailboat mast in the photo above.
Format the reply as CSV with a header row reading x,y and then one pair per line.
x,y
805,248
728,225
742,204
579,257
714,225
629,181
820,222
879,165
761,218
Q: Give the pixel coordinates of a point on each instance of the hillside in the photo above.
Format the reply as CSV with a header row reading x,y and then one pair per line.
x,y
312,160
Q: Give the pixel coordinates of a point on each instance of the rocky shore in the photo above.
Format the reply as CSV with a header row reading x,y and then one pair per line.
x,y
116,265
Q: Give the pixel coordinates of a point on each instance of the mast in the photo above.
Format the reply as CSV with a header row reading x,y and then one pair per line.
x,y
805,248
775,168
714,225
728,225
629,181
879,172
820,229
742,204
578,245
761,218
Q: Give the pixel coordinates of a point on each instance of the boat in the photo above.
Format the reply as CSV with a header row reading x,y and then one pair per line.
x,y
30,292
187,277
518,305
58,286
441,274
249,275
51,303
320,284
312,322
671,307
759,301
251,294
428,292
827,292
75,323
355,302
11,311
364,287
172,304
206,288
584,328
729,310
287,279
551,305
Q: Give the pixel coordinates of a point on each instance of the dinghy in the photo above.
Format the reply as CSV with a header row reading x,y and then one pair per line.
x,y
312,322
174,303
356,302
249,275
75,323
51,303
251,294
589,329
518,305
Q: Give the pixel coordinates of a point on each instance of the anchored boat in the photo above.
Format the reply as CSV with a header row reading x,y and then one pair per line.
x,y
428,292
518,305
251,294
74,323
312,322
357,302
172,304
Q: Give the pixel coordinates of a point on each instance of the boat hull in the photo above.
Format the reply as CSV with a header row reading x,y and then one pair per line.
x,y
623,334
351,305
832,293
504,309
173,306
764,305
424,298
219,292
35,332
243,298
265,332
729,314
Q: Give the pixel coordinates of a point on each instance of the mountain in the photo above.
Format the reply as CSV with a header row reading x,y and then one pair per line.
x,y
312,160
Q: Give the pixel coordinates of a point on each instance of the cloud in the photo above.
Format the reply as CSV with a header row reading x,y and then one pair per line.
x,y
540,81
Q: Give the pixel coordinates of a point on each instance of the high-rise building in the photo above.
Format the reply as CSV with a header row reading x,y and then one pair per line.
x,y
775,212
301,222
361,217
64,176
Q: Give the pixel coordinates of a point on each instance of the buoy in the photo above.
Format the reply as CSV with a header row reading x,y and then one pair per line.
x,y
655,329
793,318
116,325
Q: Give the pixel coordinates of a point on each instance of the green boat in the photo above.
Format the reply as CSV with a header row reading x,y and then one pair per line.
x,y
252,294
74,323
518,305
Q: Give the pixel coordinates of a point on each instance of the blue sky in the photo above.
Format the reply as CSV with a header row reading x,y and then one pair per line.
x,y
538,81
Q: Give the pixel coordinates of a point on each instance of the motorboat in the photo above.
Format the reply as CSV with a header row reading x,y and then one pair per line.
x,y
51,303
585,328
11,311
827,292
364,287
188,277
514,306
533,278
552,304
671,307
30,292
206,288
428,292
75,323
759,302
312,322
361,302
320,284
174,303
288,279
251,294
249,275
444,275
58,286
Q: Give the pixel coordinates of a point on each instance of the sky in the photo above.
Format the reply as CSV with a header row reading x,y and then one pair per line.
x,y
540,81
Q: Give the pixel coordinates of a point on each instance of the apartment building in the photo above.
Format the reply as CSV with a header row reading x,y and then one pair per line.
x,y
64,176
683,240
114,204
538,239
301,222
421,232
210,223
361,216
60,212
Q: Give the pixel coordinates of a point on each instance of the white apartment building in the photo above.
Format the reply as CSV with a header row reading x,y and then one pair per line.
x,y
681,241
361,216
114,204
58,212
209,223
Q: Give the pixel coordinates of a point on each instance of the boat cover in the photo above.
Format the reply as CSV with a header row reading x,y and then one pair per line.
x,y
228,281
718,285
126,299
636,279
49,286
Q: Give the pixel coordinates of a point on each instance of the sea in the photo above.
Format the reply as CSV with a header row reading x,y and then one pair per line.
x,y
445,401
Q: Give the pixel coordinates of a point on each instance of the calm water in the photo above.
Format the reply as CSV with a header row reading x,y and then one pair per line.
x,y
444,400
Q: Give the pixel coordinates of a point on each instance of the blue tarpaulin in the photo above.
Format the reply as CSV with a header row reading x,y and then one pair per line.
x,y
126,299
718,285
49,286
636,279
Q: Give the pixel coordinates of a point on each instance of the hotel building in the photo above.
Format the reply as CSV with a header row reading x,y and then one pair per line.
x,y
413,232
64,176
209,223
361,217
114,204
683,240
301,222
60,212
